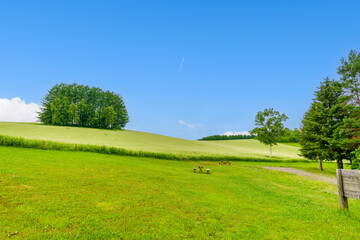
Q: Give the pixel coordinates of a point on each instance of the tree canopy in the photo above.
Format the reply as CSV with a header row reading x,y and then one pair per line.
x,y
270,127
80,105
331,127
350,77
321,122
290,136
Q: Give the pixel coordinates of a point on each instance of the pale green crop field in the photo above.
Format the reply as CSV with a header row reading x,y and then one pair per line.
x,y
77,195
141,141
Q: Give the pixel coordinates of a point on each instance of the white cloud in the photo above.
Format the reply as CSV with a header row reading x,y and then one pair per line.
x,y
189,125
17,110
230,133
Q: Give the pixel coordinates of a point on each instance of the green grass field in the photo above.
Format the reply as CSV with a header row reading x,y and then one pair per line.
x,y
140,141
293,144
62,195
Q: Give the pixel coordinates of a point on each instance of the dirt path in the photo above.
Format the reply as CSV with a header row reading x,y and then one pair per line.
x,y
303,173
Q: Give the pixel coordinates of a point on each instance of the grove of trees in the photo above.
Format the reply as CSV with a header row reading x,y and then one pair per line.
x,y
331,127
80,105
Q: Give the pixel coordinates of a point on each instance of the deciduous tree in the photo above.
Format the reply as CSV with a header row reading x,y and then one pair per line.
x,y
270,127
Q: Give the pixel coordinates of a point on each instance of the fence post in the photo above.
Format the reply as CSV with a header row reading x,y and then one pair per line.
x,y
343,200
43,145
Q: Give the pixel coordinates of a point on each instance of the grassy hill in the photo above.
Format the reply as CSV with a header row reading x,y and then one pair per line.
x,y
76,195
140,141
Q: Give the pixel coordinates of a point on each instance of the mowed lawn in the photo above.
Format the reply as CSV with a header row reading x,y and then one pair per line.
x,y
55,194
141,141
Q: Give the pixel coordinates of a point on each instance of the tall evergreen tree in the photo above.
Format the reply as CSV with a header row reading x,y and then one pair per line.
x,y
321,123
331,128
350,77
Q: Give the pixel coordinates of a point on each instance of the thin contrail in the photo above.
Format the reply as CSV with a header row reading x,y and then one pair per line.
x,y
181,64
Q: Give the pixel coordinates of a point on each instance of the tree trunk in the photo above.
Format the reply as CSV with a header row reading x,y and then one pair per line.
x,y
270,151
320,165
339,163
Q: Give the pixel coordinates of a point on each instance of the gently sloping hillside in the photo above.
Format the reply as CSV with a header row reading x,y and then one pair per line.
x,y
147,142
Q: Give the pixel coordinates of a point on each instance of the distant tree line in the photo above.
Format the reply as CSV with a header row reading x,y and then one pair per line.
x,y
226,137
289,136
83,106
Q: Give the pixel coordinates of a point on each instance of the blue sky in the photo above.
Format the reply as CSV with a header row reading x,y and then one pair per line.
x,y
184,68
